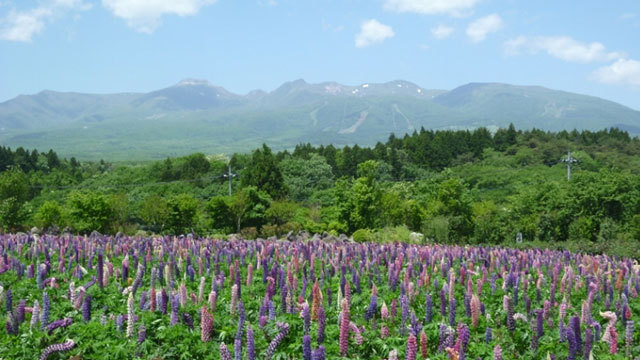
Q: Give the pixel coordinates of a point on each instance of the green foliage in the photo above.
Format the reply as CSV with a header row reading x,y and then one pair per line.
x,y
303,177
50,213
264,173
89,211
14,186
154,211
249,207
219,210
362,235
182,213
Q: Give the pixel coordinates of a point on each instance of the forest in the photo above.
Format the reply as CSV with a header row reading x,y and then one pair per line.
x,y
452,186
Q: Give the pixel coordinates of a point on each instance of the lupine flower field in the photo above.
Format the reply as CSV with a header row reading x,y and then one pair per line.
x,y
98,297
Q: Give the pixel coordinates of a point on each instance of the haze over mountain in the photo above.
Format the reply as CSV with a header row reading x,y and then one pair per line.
x,y
195,115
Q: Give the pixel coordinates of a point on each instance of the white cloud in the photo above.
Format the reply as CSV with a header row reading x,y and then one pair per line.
x,y
627,16
430,7
144,15
561,47
441,32
373,32
623,71
24,25
478,30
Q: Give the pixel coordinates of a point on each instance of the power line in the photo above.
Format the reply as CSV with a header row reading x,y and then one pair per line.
x,y
65,187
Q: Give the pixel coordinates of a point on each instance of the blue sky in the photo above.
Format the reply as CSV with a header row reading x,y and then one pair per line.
x,y
104,46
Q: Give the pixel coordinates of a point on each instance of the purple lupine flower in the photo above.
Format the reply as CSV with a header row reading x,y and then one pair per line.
x,y
66,346
321,324
588,342
443,301
464,336
573,344
35,314
237,349
629,337
442,337
241,319
251,344
429,312
86,308
142,333
187,319
284,330
164,299
12,325
404,304
58,324
224,352
120,322
539,323
20,311
452,312
373,306
488,335
467,304
508,305
319,353
100,270
306,347
46,306
143,300
306,315
575,326
174,309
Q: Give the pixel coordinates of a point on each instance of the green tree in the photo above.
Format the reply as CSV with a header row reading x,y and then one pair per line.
x,y
121,210
14,192
219,210
264,173
360,207
90,211
182,213
249,207
154,211
303,177
49,214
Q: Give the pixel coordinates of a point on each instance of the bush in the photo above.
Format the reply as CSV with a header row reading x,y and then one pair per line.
x,y
249,232
362,235
48,214
437,228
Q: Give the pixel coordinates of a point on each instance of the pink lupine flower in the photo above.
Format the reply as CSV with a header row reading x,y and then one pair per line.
x,y
344,328
384,312
412,348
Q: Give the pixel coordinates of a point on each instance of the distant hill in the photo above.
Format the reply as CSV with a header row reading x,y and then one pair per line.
x,y
195,115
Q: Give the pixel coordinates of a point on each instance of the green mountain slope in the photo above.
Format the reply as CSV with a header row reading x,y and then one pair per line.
x,y
194,115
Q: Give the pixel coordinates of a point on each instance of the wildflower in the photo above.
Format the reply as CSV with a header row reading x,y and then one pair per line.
x,y
344,328
284,330
130,313
412,348
66,346
206,324
497,353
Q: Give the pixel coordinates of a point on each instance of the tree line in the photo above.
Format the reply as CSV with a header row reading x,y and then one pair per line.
x,y
453,186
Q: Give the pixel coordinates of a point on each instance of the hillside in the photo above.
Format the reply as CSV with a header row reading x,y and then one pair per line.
x,y
195,115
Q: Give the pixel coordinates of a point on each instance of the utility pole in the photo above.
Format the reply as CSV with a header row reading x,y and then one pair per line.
x,y
569,160
229,175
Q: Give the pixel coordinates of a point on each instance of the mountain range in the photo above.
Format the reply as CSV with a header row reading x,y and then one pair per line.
x,y
194,115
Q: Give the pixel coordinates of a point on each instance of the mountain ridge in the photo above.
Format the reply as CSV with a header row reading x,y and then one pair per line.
x,y
196,115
